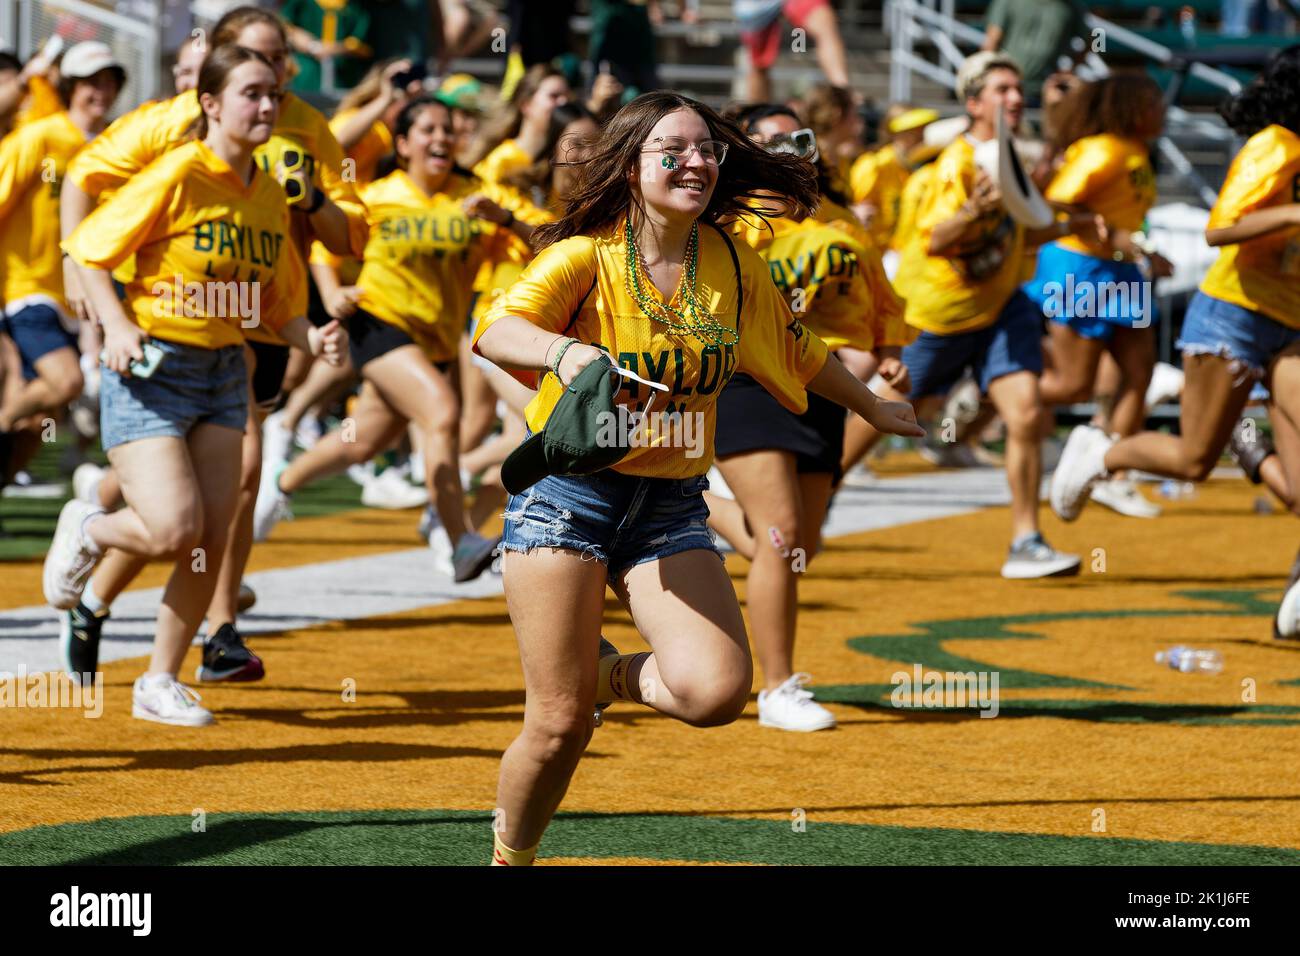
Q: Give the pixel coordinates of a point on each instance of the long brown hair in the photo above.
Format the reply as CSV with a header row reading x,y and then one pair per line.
x,y
506,121
1115,104
603,193
215,74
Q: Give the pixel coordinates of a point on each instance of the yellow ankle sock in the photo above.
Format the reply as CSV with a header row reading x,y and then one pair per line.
x,y
502,855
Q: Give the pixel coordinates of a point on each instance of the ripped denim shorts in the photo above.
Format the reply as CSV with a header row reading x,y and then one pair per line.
x,y
619,520
1248,340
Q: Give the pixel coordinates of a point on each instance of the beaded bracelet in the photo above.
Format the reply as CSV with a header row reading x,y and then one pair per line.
x,y
559,357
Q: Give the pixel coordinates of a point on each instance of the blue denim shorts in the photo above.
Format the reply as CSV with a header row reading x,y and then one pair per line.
x,y
191,387
1014,343
1092,296
38,330
619,520
1248,339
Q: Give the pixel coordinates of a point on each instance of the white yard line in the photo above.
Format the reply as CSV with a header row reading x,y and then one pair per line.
x,y
354,588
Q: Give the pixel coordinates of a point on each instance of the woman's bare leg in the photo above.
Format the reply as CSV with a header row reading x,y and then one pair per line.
x,y
1135,354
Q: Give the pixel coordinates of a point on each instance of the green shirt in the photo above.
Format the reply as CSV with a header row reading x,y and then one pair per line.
x,y
347,19
1037,33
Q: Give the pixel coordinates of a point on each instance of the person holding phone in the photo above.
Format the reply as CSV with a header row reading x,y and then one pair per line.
x,y
431,227
302,154
636,270
211,234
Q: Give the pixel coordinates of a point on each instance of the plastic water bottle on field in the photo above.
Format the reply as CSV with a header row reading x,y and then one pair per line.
x,y
1190,660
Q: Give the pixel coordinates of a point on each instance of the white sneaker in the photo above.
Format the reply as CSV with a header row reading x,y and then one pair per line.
x,y
165,700
790,707
272,504
277,441
85,483
362,473
435,535
1035,558
309,432
69,561
390,490
1166,384
1121,495
1286,624
1083,463
859,476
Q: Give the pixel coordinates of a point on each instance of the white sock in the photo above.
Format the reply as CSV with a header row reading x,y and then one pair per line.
x,y
91,600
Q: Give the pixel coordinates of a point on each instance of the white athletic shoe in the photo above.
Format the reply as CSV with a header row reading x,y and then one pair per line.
x,y
1083,463
1166,384
1121,495
390,490
85,483
1287,623
277,441
1035,558
718,485
309,432
435,535
859,476
790,707
272,504
165,700
69,562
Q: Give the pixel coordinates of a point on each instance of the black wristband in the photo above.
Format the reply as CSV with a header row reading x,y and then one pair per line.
x,y
317,200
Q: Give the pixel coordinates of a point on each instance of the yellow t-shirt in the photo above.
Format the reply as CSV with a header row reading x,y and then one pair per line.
x,y
421,259
878,178
42,101
369,150
1261,274
1107,175
967,291
140,137
33,160
513,254
213,256
578,287
505,159
832,277
914,195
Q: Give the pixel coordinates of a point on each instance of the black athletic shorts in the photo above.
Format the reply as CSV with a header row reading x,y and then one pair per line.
x,y
750,419
268,373
370,337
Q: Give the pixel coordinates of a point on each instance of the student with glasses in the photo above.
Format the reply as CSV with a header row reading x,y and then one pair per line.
x,y
637,271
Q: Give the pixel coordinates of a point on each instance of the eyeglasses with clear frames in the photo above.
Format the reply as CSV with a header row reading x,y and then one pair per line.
x,y
712,151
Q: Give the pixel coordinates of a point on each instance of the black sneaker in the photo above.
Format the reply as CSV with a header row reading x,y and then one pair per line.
x,y
79,631
1249,447
227,657
606,649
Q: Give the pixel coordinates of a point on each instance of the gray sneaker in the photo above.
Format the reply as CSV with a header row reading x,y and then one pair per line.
x,y
472,556
1035,558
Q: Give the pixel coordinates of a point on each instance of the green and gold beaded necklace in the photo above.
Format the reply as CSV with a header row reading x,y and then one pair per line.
x,y
694,320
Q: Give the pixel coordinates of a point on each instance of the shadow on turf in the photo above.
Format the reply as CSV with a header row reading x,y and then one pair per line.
x,y
361,752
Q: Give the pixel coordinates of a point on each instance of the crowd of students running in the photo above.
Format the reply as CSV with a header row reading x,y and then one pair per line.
x,y
235,263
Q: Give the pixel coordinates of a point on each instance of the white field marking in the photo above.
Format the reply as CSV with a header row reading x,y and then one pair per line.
x,y
315,594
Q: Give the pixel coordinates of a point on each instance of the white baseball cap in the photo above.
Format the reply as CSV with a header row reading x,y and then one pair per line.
x,y
1020,196
86,59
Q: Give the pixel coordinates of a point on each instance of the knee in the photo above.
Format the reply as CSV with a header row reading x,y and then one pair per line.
x,y
67,388
1025,419
178,535
1197,464
780,533
716,704
561,738
444,421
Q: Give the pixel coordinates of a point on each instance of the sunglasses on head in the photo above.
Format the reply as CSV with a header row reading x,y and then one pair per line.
x,y
801,143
